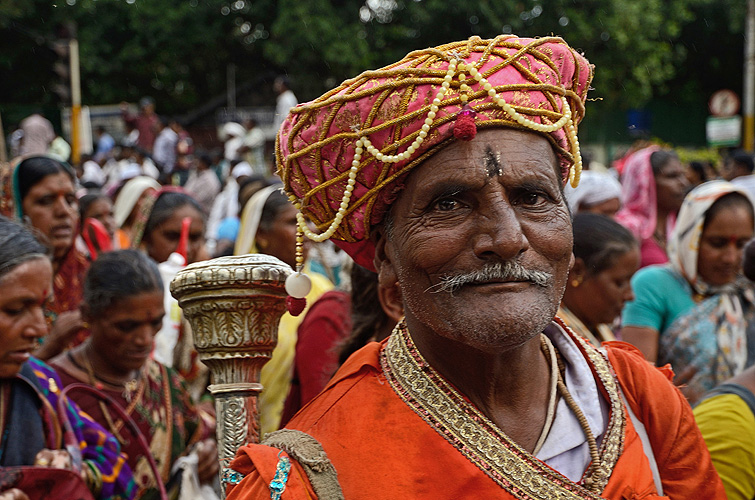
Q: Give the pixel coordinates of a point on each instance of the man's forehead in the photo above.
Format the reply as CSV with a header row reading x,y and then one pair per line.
x,y
495,156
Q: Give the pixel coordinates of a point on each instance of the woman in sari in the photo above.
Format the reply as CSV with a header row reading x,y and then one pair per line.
x,y
693,311
30,422
157,229
126,207
157,232
123,304
268,225
606,255
653,188
40,191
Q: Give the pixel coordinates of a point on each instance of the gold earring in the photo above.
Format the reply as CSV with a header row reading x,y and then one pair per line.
x,y
576,282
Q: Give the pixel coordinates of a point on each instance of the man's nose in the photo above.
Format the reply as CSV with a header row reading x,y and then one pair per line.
x,y
499,231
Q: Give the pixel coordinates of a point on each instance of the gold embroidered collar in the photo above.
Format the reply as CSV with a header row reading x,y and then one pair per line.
x,y
518,472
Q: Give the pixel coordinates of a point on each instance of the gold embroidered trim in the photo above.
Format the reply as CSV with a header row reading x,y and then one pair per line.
x,y
518,472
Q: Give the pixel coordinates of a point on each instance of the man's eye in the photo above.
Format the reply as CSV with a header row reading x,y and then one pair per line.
x,y
531,198
446,204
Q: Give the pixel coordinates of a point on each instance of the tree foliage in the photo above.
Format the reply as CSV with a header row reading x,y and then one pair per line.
x,y
178,50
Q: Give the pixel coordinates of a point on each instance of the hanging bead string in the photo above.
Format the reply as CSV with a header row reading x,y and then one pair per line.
x,y
456,63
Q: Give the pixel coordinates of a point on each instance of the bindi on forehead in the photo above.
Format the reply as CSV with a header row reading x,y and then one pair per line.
x,y
492,163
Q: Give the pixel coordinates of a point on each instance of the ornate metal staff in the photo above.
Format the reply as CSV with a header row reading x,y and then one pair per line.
x,y
234,305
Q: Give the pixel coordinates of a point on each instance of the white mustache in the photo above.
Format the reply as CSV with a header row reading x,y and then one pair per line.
x,y
509,270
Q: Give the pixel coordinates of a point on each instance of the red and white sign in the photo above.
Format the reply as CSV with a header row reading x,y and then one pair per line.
x,y
724,103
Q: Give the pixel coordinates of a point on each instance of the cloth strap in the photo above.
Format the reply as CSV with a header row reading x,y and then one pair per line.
x,y
26,436
646,446
306,450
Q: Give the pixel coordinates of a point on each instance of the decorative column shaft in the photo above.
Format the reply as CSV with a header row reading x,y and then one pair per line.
x,y
234,305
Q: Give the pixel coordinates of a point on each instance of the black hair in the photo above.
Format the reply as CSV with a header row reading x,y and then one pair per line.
x,y
599,241
248,187
86,201
730,200
367,314
743,159
119,275
284,80
205,158
274,205
699,168
18,244
165,206
32,170
661,158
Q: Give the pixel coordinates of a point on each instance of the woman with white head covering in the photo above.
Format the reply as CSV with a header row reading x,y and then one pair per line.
x,y
597,193
693,312
126,207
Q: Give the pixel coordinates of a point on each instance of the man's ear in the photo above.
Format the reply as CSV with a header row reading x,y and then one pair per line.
x,y
383,260
391,301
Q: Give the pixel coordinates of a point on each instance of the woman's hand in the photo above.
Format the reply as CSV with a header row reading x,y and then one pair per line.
x,y
207,466
13,494
62,332
58,459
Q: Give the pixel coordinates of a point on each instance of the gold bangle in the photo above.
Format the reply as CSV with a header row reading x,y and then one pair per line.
x,y
94,478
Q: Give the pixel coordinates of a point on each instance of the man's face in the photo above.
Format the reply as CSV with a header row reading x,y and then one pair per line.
x,y
492,200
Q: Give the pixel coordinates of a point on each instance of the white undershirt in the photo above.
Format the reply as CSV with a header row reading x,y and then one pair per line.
x,y
565,448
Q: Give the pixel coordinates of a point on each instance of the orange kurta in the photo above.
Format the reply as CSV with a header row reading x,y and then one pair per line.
x,y
383,449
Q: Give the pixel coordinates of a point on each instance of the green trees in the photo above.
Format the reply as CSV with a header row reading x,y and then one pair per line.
x,y
177,50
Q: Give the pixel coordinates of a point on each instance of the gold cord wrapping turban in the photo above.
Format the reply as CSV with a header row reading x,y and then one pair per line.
x,y
342,157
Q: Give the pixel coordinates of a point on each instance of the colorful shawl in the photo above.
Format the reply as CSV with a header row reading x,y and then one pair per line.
x,y
98,447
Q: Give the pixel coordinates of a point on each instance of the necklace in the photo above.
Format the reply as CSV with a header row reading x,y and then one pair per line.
x,y
550,353
574,407
129,387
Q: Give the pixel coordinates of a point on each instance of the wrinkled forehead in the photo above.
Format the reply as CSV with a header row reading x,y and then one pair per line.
x,y
508,155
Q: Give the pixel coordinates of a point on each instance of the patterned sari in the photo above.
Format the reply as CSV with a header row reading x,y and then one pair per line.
x,y
162,409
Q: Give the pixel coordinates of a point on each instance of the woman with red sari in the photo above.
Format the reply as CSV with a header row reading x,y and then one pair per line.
x,y
40,191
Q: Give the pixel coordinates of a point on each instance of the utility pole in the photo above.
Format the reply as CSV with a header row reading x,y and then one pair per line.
x,y
749,80
76,101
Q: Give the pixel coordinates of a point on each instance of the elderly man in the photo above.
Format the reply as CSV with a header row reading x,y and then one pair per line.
x,y
445,172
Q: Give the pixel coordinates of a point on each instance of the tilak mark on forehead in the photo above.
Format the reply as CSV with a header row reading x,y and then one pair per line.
x,y
492,162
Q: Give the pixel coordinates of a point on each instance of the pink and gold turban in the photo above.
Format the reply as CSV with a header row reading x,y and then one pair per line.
x,y
348,151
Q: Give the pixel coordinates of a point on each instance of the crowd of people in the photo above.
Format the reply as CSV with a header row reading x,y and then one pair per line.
x,y
462,317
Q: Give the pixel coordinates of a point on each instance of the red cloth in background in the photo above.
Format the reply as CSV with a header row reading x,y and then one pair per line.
x,y
321,334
